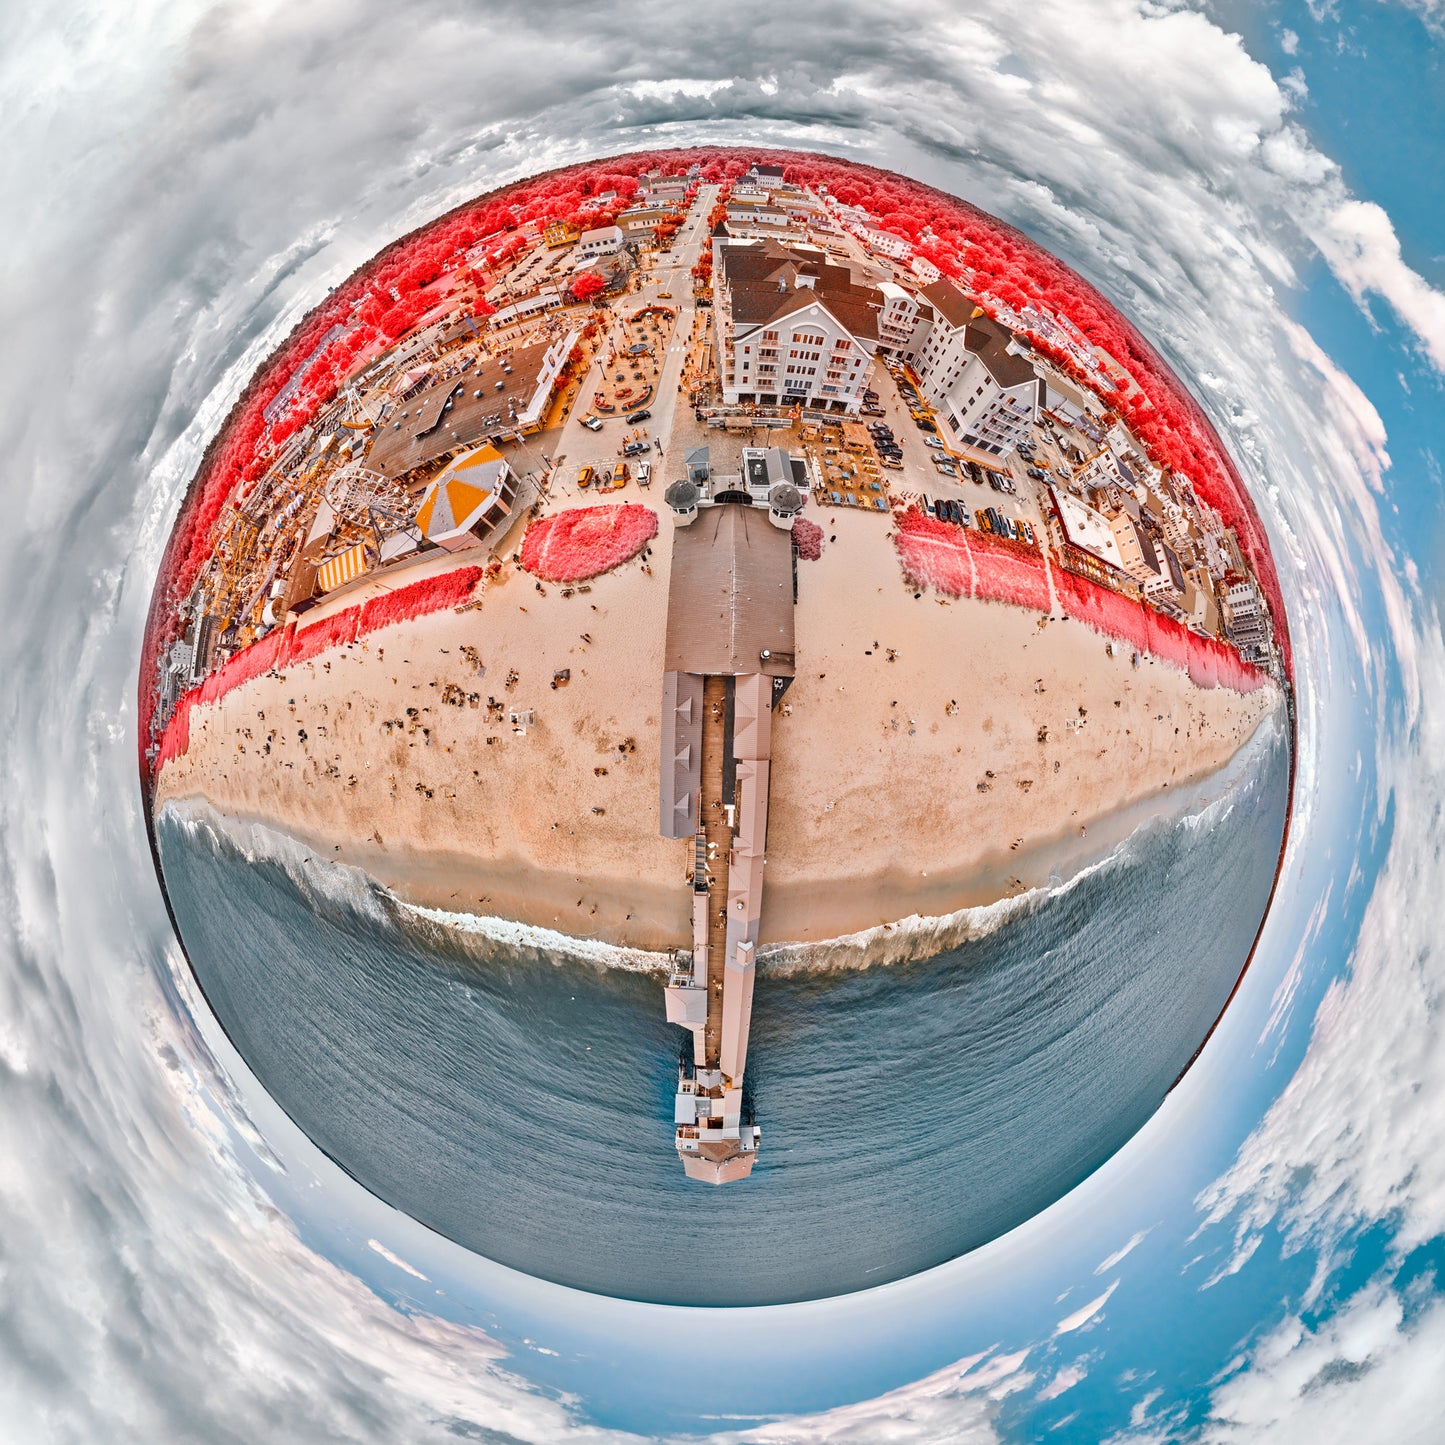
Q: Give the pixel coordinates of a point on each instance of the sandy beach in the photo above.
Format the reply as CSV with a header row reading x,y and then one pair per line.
x,y
931,755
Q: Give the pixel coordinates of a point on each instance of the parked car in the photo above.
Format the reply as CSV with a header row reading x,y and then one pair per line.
x,y
928,504
591,423
985,520
636,418
893,464
585,475
1038,474
933,442
964,515
869,395
1027,529
925,425
644,474
620,474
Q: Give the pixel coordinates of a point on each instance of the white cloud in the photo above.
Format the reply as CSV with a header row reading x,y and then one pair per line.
x,y
1364,1374
1358,240
954,1404
1124,1250
1086,1314
1065,1379
396,1259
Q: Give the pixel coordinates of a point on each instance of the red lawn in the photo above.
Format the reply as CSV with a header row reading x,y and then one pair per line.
x,y
964,563
575,545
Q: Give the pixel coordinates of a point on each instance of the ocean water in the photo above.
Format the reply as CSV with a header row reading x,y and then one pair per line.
x,y
519,1100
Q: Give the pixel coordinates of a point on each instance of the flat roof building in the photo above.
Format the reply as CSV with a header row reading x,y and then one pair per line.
x,y
730,596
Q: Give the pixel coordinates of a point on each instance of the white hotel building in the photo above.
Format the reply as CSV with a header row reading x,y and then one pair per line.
x,y
791,327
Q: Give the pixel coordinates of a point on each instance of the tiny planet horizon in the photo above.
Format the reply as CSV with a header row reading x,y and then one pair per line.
x,y
728,668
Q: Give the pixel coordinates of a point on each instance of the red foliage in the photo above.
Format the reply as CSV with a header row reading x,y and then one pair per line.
x,y
807,539
1209,662
963,563
574,545
431,594
585,286
248,663
290,647
177,736
333,631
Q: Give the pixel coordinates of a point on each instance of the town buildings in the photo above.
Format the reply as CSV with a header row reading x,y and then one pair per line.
x,y
604,241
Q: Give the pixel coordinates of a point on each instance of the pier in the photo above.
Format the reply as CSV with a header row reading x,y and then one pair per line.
x,y
729,652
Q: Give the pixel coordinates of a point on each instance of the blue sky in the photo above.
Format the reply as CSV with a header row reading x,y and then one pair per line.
x,y
208,172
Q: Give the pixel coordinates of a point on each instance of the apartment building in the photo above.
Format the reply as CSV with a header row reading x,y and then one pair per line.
x,y
791,326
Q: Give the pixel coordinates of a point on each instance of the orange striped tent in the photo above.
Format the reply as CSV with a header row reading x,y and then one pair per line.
x,y
467,499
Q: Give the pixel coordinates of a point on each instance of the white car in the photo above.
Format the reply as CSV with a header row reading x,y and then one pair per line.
x,y
934,443
644,474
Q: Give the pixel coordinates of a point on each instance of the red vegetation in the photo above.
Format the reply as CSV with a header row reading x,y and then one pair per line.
x,y
1209,663
309,642
574,545
963,563
585,286
431,594
807,539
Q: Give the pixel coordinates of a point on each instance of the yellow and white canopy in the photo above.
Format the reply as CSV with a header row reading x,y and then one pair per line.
x,y
465,493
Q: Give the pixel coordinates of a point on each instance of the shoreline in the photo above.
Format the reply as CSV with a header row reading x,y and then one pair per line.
x,y
646,942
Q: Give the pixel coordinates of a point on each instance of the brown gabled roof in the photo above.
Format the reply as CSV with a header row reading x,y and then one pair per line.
x,y
763,281
956,307
989,342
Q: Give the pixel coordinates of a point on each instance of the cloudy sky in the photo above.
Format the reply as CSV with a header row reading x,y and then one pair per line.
x,y
1259,186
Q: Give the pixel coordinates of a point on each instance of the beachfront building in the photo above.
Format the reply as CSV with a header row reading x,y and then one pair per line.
x,y
1246,622
1064,401
791,327
984,390
559,233
501,397
886,243
643,221
765,176
604,241
1090,546
749,218
904,322
465,503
